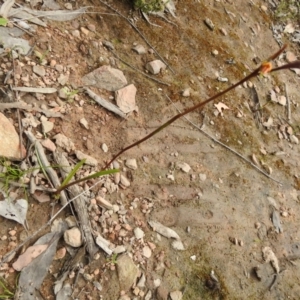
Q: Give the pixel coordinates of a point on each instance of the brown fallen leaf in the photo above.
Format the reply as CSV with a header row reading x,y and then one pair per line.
x,y
269,256
220,106
28,256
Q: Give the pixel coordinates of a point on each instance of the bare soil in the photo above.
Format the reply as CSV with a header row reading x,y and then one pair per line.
x,y
234,196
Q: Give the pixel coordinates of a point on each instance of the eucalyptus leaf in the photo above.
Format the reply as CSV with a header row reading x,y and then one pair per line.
x,y
16,210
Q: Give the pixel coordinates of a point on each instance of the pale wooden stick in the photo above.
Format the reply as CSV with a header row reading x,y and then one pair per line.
x,y
79,203
288,103
51,173
20,105
111,107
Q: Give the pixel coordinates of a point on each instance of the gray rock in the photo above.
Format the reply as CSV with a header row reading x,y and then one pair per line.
x,y
294,139
64,142
47,126
62,79
104,148
146,251
63,93
138,232
155,66
208,22
119,249
65,292
72,237
59,68
10,143
176,295
125,98
84,123
49,145
39,70
162,293
186,92
139,49
106,78
127,272
89,160
177,245
71,221
184,167
131,163
124,181
108,45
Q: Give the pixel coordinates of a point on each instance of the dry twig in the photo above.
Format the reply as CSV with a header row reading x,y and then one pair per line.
x,y
52,174
109,106
226,147
288,103
24,106
79,204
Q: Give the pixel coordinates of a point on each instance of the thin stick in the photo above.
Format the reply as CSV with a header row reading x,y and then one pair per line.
x,y
52,174
139,71
18,111
226,147
24,106
139,32
109,106
264,68
28,32
186,111
288,103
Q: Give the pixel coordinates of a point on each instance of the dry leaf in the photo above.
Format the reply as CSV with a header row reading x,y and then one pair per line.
x,y
289,28
163,230
269,123
16,210
269,256
276,222
5,8
28,256
255,159
220,106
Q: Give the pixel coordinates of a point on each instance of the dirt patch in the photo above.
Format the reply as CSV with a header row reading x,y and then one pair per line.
x,y
222,198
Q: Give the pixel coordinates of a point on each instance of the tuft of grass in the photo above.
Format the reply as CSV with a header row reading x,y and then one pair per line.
x,y
112,259
148,6
67,182
10,173
288,10
5,293
41,56
70,93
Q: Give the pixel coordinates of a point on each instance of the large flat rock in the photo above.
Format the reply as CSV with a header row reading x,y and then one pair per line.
x,y
127,272
10,142
106,78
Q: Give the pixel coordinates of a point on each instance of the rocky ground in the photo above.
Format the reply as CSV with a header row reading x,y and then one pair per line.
x,y
206,209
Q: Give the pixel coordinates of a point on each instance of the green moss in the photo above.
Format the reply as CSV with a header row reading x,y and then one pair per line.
x,y
150,5
288,9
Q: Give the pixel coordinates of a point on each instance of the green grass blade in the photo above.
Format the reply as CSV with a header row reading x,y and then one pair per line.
x,y
73,172
3,22
101,173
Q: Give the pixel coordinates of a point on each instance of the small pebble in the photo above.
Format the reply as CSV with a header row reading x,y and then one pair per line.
x,y
104,147
208,22
186,92
215,52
